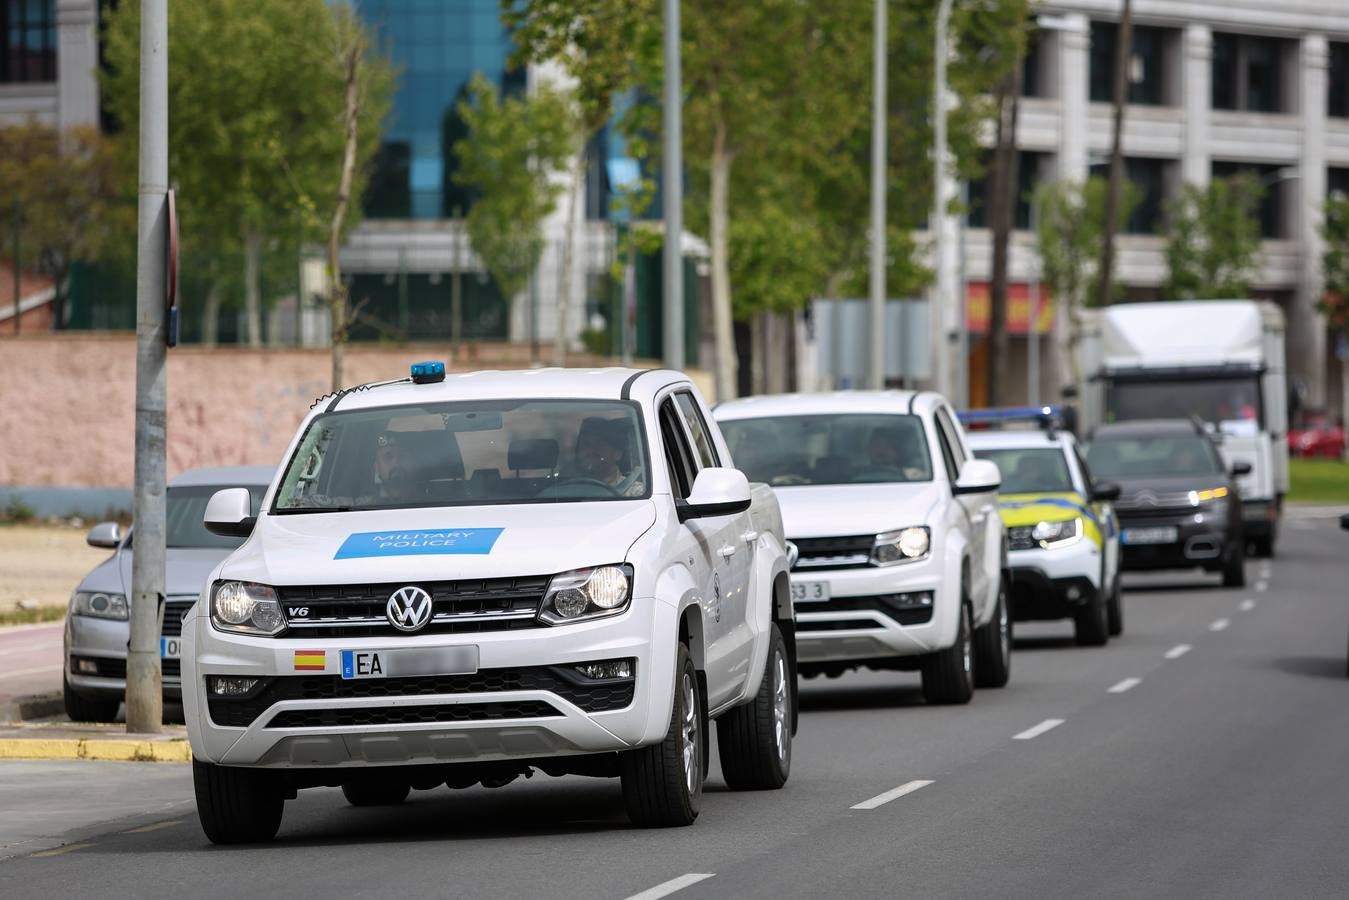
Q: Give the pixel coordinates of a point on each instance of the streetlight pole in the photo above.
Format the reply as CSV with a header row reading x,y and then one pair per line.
x,y
144,700
876,317
946,276
672,190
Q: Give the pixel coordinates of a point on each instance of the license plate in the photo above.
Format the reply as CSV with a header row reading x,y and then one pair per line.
x,y
170,647
1166,534
810,591
409,661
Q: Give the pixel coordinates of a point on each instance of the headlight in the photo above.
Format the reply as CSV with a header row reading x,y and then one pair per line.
x,y
901,546
1051,535
99,605
246,608
587,594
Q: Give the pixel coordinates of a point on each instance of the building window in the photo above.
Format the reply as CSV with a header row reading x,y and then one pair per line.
x,y
1272,188
1147,64
1149,178
1029,166
1337,182
1248,73
27,40
1337,101
1031,83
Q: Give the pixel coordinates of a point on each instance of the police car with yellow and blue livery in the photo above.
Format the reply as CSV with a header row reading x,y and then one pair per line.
x,y
1062,532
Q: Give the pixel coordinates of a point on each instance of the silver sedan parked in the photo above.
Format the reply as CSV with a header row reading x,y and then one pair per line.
x,y
97,628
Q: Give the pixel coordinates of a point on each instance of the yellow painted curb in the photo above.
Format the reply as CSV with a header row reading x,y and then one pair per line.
x,y
176,750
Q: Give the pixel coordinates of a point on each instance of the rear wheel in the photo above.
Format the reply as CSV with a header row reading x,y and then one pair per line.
x,y
236,806
754,741
376,793
1091,625
993,645
947,674
87,709
1115,609
663,783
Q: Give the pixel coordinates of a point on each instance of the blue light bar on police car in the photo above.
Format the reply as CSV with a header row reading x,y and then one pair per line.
x,y
1044,416
428,372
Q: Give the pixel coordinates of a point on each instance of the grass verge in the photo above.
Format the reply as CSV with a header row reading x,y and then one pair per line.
x,y
32,616
1318,481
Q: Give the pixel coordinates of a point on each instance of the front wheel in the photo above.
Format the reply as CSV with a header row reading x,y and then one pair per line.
x,y
993,645
947,674
754,741
1091,625
80,708
1234,570
236,806
1115,609
663,783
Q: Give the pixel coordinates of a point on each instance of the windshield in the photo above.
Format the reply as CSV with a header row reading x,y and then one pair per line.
x,y
1030,470
185,508
459,454
1231,403
830,449
1143,455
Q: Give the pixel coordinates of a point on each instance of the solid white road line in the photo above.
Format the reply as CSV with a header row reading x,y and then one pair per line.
x,y
1247,605
1219,624
892,794
666,888
1124,685
1032,733
1178,651
53,667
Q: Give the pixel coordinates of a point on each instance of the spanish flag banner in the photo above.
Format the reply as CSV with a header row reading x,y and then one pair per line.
x,y
310,660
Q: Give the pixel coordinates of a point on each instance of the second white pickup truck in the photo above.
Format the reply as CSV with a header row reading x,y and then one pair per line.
x,y
462,580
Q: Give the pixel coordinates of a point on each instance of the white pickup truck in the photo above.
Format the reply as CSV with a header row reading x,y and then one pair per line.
x,y
461,580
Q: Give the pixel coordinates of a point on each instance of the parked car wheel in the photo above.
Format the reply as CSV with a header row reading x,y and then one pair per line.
x,y
87,709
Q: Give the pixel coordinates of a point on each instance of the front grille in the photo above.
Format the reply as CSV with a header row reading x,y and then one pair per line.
x,y
411,715
458,607
174,610
591,696
1019,538
1150,500
834,552
905,609
171,668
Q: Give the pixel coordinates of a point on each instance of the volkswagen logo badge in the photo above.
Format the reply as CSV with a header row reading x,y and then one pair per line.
x,y
409,608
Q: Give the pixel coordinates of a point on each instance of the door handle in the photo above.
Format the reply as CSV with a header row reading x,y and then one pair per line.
x,y
728,551
750,537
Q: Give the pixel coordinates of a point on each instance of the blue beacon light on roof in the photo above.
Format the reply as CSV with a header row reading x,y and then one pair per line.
x,y
428,372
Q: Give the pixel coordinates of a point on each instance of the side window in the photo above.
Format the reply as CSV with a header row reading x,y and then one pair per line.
x,y
702,441
952,470
678,456
1082,467
953,436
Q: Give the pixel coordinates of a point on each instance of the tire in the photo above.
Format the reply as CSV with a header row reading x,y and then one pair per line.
x,y
87,709
754,741
1114,609
947,674
993,645
663,783
1234,569
376,793
1263,547
1091,625
236,806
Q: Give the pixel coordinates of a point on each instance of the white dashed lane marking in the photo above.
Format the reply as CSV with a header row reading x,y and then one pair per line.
x,y
1220,624
666,888
1124,685
1178,651
1247,605
1032,733
892,794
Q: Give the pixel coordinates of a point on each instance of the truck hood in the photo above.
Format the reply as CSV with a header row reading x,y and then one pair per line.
x,y
440,543
810,511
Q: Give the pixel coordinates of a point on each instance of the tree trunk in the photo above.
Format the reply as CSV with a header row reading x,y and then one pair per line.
x,y
760,344
568,255
253,287
1002,209
210,314
351,108
721,273
1123,50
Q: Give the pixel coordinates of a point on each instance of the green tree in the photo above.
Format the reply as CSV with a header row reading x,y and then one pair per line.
x,y
1213,239
256,121
514,149
59,206
1335,263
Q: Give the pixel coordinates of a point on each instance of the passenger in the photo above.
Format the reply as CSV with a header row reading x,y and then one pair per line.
x,y
601,452
893,448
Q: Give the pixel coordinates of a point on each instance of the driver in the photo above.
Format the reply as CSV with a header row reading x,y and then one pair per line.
x,y
600,449
891,448
393,468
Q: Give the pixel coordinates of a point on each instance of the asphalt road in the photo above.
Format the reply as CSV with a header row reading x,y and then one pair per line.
x,y
1205,753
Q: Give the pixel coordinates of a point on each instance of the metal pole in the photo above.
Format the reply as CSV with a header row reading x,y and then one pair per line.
x,y
672,188
962,385
876,310
144,701
941,296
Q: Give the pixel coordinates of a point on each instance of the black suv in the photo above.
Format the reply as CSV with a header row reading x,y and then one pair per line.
x,y
1178,506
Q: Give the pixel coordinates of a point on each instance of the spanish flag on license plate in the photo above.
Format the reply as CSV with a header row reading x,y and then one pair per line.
x,y
310,660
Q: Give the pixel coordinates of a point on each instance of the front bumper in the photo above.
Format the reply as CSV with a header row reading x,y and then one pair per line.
x,y
317,719
1053,584
1202,541
104,643
879,612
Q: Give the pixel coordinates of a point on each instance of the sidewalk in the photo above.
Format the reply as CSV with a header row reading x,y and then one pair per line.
x,y
66,740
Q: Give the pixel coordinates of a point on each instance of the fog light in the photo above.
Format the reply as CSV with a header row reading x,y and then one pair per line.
x,y
612,668
86,666
231,686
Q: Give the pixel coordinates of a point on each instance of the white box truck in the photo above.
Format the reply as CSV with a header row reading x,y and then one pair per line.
x,y
1221,361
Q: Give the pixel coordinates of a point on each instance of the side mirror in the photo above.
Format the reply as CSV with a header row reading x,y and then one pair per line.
x,y
1241,467
1104,492
1344,521
107,535
979,476
229,513
716,492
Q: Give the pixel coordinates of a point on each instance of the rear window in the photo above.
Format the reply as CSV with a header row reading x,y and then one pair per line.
x,y
829,449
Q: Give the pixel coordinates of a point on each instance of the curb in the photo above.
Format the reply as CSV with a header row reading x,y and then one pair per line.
x,y
174,750
34,706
